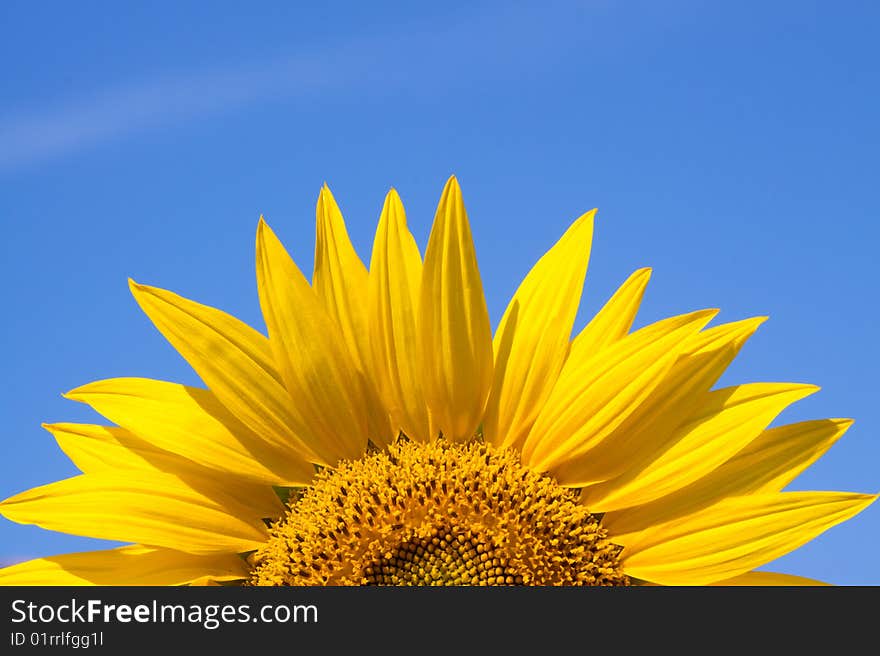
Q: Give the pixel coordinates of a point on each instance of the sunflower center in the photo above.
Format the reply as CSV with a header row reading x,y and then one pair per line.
x,y
437,514
445,558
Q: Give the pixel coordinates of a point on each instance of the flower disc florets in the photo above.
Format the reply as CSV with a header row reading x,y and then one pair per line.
x,y
437,514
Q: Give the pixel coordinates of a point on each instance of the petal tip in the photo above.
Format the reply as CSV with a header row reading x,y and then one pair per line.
x,y
586,219
707,314
138,290
325,197
263,231
747,328
756,322
70,395
452,187
803,389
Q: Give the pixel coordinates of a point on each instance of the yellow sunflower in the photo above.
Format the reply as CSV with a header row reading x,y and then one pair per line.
x,y
380,435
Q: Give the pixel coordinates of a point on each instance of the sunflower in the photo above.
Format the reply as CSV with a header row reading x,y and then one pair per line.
x,y
381,435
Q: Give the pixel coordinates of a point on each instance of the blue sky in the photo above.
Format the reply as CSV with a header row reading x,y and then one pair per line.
x,y
732,148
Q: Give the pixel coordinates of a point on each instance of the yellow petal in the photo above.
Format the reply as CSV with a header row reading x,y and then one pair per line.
x,y
111,450
340,278
646,434
767,464
613,321
775,459
532,340
204,581
315,364
593,397
96,449
764,579
736,535
191,422
395,276
149,508
341,282
729,419
455,338
132,565
233,359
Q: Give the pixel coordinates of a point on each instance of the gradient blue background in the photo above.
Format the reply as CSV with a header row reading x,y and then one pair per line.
x,y
734,149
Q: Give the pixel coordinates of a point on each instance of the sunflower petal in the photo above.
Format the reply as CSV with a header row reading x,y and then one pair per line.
x,y
729,419
132,565
191,422
532,340
95,449
340,277
341,282
767,464
647,433
149,508
395,276
112,450
780,454
765,579
592,397
455,338
736,535
315,364
613,321
233,360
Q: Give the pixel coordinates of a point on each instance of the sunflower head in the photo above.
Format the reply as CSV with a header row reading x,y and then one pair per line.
x,y
421,448
437,514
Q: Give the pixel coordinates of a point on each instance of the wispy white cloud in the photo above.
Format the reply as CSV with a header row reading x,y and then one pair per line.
x,y
476,45
110,114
